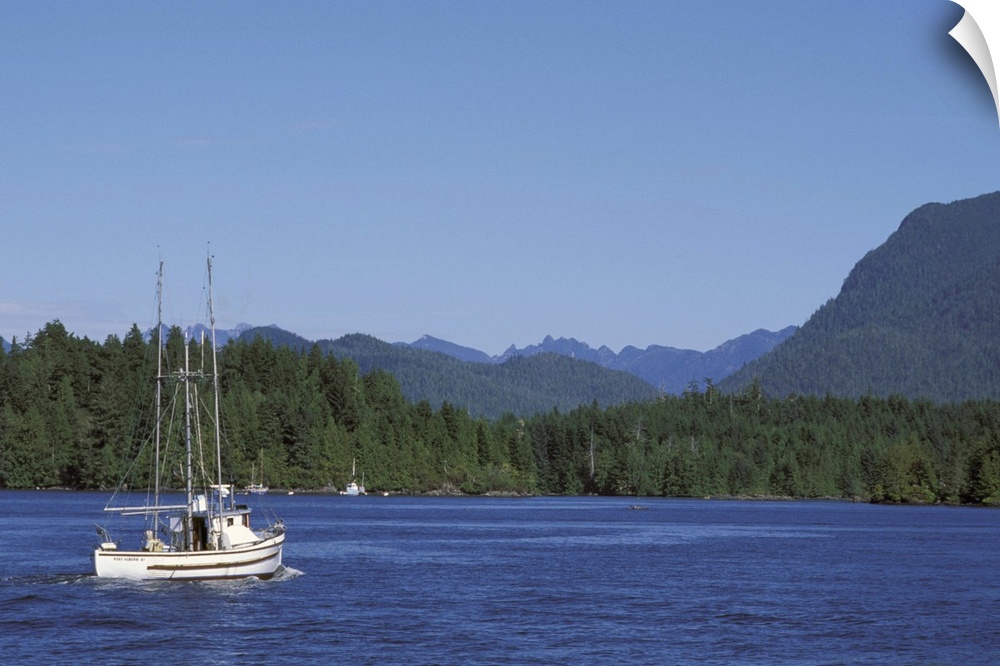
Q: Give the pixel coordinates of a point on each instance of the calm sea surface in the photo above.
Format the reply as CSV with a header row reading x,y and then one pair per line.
x,y
402,580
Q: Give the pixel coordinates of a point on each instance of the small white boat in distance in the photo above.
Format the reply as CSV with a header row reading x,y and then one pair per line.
x,y
353,488
257,488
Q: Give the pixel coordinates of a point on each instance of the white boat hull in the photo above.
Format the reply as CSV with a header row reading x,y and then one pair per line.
x,y
259,559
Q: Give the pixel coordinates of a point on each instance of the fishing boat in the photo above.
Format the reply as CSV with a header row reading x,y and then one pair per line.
x,y
203,533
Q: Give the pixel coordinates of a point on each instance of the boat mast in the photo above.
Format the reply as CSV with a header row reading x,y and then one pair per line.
x,y
159,388
186,379
215,389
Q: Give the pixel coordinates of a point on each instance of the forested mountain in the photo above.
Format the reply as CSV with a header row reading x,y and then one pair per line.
x,y
521,386
669,369
918,316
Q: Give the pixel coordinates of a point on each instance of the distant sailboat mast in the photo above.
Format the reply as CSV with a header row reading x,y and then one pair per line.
x,y
591,452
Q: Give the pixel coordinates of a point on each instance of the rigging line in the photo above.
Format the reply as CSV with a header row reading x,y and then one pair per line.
x,y
135,428
203,469
171,436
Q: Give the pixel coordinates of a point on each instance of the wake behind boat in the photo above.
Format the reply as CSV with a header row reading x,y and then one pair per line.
x,y
207,535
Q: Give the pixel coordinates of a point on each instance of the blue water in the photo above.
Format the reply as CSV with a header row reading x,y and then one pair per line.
x,y
400,580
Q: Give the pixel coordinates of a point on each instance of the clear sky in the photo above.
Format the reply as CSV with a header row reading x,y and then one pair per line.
x,y
624,172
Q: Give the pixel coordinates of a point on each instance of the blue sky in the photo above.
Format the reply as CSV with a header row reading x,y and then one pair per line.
x,y
625,173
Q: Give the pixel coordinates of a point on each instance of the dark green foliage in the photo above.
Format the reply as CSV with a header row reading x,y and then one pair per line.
x,y
916,317
73,413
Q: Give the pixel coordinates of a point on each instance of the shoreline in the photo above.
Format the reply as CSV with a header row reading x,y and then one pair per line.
x,y
500,494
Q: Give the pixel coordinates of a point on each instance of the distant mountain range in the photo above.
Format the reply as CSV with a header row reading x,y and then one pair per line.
x,y
919,317
563,373
668,369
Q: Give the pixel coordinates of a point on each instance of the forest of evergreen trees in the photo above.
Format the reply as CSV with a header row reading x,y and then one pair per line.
x,y
73,413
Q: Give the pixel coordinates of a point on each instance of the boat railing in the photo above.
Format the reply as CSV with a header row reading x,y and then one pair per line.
x,y
103,534
273,530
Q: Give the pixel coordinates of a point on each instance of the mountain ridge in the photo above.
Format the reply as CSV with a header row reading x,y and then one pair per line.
x,y
916,317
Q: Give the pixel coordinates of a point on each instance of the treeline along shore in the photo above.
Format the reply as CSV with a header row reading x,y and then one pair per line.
x,y
76,413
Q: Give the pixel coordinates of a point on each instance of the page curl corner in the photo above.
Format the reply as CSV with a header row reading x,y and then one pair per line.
x,y
978,32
